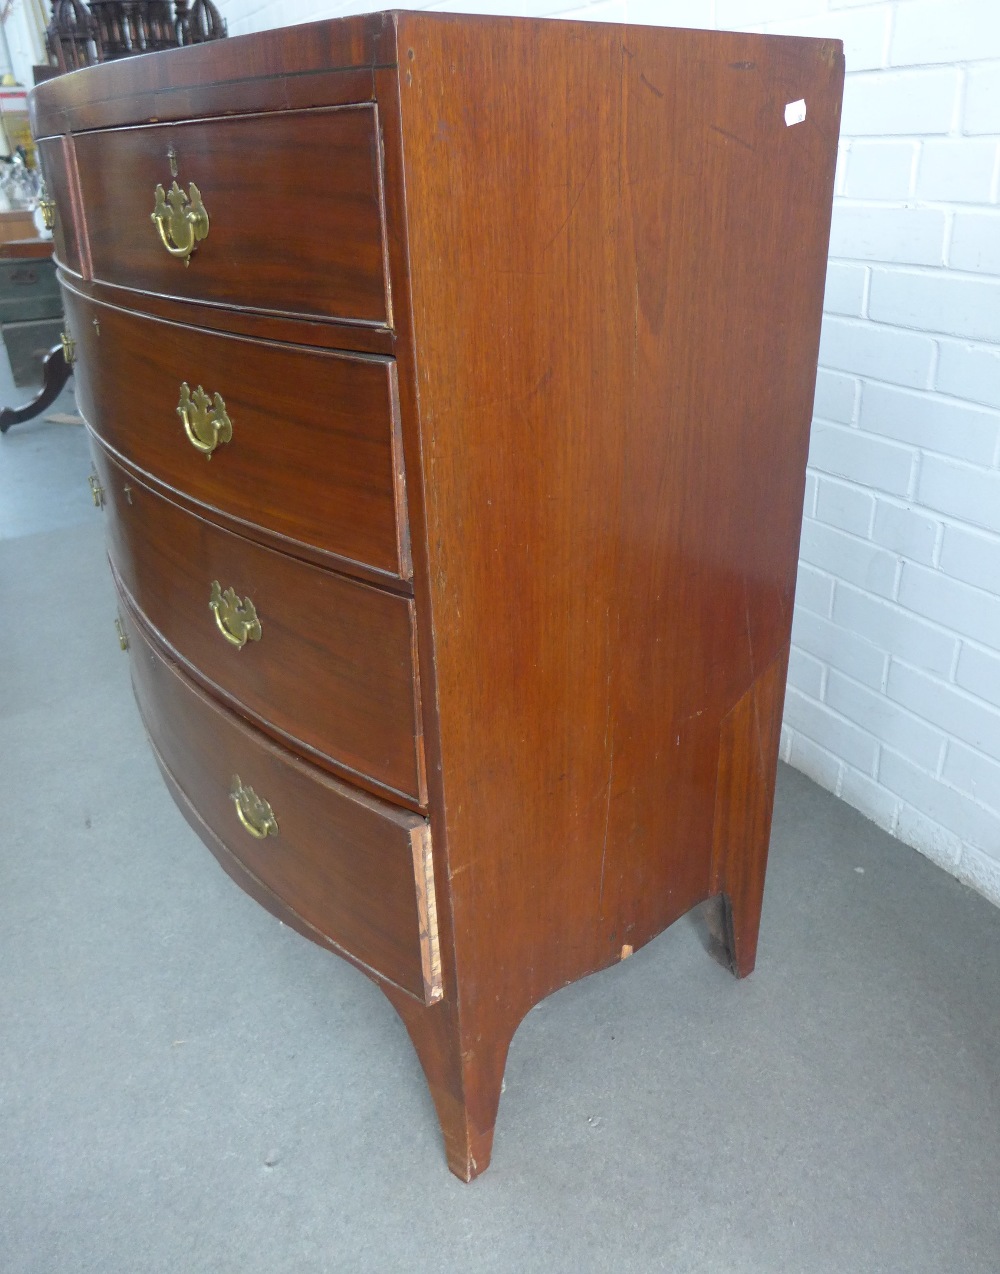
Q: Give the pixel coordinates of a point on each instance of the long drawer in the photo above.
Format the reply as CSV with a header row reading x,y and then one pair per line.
x,y
325,661
311,450
292,203
356,870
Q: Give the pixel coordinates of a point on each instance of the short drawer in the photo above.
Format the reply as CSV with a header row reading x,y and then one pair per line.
x,y
311,450
292,208
354,869
322,660
56,156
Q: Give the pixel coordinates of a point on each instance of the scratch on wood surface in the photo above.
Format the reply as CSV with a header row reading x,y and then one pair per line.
x,y
576,199
746,612
609,742
635,328
652,87
753,683
756,724
607,822
740,141
607,812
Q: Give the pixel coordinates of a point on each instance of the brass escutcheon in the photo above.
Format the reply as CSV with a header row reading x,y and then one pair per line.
x,y
68,348
96,491
180,219
206,421
254,813
236,620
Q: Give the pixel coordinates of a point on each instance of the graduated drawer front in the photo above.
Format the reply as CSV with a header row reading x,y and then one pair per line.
x,y
294,203
334,665
314,453
353,868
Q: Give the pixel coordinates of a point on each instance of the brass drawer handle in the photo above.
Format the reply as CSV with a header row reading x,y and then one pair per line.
x,y
237,620
181,220
122,634
254,813
68,348
96,490
206,421
48,207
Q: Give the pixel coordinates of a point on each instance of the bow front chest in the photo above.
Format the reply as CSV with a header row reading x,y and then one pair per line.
x,y
449,383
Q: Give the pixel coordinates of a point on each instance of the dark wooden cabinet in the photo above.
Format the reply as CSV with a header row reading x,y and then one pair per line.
x,y
450,382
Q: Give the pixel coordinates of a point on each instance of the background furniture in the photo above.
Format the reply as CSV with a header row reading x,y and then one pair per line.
x,y
31,324
453,452
103,30
30,306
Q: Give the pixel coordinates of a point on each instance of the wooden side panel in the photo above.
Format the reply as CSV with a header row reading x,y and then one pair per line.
x,y
744,800
613,454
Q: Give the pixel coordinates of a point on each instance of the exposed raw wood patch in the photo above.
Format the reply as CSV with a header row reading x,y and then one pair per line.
x,y
430,949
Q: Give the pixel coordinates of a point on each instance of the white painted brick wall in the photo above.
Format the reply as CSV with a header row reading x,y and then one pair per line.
x,y
936,301
982,100
970,371
894,677
866,349
900,103
879,170
927,31
975,242
955,171
931,422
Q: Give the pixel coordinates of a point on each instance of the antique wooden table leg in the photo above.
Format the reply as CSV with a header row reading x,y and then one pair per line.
x,y
55,372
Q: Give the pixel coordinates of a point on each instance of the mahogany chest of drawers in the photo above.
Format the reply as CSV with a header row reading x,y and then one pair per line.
x,y
449,382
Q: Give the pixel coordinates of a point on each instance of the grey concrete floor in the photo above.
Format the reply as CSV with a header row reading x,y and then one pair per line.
x,y
188,1086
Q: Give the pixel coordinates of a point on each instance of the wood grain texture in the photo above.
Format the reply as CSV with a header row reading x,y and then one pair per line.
x,y
319,64
607,255
294,202
616,449
342,861
330,334
331,478
26,250
333,671
744,800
